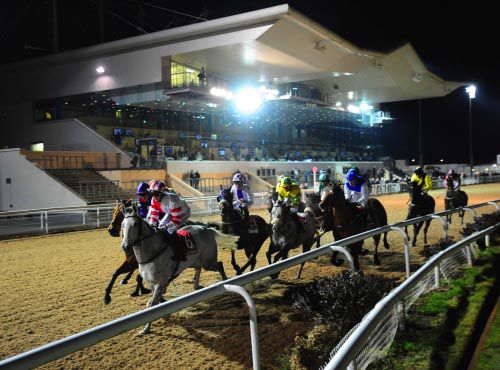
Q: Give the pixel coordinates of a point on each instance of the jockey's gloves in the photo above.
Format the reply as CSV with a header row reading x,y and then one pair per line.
x,y
293,209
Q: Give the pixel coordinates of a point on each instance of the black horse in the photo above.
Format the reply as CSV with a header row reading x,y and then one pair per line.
x,y
421,204
454,199
252,232
323,214
350,220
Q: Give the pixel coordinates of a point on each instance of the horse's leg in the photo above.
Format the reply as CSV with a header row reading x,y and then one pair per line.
x,y
233,262
376,259
126,278
386,243
427,224
139,289
461,214
220,268
124,267
196,279
157,294
272,249
416,230
252,260
306,247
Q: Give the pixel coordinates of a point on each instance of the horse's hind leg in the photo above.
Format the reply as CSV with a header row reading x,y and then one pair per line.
x,y
306,247
252,261
139,289
125,267
233,262
461,215
376,259
416,230
220,268
386,243
196,279
272,249
426,227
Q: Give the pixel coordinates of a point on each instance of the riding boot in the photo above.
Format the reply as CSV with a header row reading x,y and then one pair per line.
x,y
177,244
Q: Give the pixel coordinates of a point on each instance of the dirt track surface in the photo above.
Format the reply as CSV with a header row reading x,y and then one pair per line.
x,y
53,286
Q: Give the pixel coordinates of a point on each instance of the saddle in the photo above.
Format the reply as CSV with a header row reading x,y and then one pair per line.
x,y
253,227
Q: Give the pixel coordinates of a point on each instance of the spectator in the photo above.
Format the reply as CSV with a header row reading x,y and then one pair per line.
x,y
197,180
202,76
134,160
191,178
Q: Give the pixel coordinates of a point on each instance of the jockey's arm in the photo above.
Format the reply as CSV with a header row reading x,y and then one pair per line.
x,y
364,195
427,184
347,192
414,177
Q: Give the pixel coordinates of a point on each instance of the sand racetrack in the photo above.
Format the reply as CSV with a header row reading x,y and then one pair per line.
x,y
53,286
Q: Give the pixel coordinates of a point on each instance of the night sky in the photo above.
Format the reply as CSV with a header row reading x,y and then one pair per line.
x,y
457,42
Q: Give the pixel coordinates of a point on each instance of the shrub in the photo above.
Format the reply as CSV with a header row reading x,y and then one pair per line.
x,y
430,250
481,223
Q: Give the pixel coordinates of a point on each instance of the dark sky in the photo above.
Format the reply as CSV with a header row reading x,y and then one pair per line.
x,y
457,42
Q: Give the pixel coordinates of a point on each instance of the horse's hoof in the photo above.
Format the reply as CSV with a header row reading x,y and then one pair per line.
x,y
135,293
198,287
376,261
387,246
124,282
145,291
273,276
143,332
364,252
107,299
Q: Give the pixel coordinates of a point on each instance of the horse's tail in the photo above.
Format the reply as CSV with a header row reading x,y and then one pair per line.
x,y
377,211
228,241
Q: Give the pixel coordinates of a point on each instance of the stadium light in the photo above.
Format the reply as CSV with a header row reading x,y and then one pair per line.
x,y
100,70
248,100
471,91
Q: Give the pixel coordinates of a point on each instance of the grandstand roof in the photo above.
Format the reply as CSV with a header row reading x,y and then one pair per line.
x,y
273,45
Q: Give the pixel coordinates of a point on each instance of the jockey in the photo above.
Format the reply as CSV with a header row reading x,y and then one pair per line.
x,y
325,185
176,212
455,177
355,188
289,193
241,198
422,179
144,199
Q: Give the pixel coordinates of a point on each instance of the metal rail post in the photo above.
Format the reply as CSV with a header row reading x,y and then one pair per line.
x,y
254,334
445,225
346,253
487,240
407,248
437,280
83,217
46,222
41,220
468,254
98,221
209,206
495,204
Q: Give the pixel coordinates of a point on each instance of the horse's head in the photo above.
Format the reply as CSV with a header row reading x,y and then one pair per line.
x,y
271,198
132,226
449,184
279,213
415,191
225,199
117,217
337,193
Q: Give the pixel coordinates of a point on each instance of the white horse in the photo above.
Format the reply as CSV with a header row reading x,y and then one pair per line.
x,y
155,256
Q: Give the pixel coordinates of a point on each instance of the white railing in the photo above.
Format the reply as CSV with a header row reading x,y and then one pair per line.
x,y
63,347
46,220
369,340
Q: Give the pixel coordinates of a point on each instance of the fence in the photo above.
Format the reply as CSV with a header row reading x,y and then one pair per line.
x,y
369,340
45,221
63,347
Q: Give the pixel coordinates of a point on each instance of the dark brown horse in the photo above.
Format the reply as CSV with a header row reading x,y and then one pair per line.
x,y
421,204
130,264
454,199
350,220
252,232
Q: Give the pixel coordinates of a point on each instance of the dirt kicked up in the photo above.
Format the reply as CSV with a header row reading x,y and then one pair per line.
x,y
53,286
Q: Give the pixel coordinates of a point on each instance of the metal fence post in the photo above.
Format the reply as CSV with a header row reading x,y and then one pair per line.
x,y
209,206
468,254
495,204
437,277
352,365
406,246
83,218
97,221
254,334
487,240
41,220
401,315
445,225
46,222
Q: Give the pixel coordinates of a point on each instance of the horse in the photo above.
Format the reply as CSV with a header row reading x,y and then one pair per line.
x,y
252,232
155,256
286,235
420,205
349,220
130,264
454,199
323,214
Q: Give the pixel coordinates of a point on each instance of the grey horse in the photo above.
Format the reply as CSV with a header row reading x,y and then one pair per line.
x,y
155,257
286,233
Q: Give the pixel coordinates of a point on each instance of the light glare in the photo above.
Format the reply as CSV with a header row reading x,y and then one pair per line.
x,y
248,100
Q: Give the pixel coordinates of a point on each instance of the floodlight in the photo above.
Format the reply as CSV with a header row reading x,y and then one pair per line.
x,y
471,90
248,100
100,70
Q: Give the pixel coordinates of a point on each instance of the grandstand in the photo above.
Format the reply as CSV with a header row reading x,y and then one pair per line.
x,y
316,99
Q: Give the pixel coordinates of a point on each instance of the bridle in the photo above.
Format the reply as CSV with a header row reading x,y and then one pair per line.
x,y
225,201
141,238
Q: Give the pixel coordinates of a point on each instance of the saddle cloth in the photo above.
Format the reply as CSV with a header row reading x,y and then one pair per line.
x,y
190,246
253,227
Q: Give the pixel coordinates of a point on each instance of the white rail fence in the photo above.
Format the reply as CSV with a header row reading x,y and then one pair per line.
x,y
63,347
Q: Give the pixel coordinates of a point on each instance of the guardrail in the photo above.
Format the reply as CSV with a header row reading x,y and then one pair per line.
x,y
63,347
368,340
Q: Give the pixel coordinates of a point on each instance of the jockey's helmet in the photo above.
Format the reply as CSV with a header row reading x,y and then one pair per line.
x,y
324,177
356,171
286,181
237,177
419,171
156,186
143,188
351,175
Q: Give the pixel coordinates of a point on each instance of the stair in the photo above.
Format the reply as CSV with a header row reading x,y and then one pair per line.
x,y
92,186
